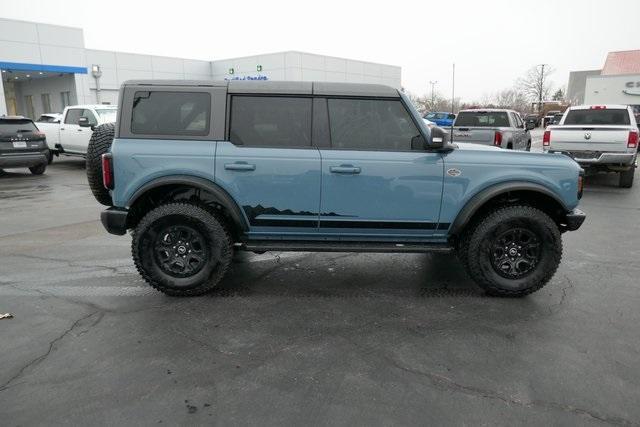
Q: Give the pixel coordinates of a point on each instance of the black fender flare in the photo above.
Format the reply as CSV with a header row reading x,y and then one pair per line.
x,y
220,195
478,200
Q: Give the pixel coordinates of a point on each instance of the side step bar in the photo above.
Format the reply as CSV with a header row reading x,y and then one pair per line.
x,y
321,246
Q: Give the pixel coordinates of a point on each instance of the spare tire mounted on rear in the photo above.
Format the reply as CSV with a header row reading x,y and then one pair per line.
x,y
99,144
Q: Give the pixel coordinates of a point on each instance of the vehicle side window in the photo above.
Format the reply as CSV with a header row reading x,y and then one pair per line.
x,y
370,124
270,121
171,113
89,115
519,122
73,116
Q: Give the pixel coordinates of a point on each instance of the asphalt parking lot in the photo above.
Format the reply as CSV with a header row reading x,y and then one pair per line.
x,y
299,338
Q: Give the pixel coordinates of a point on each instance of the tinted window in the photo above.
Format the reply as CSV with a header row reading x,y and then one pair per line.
x,y
13,126
270,121
598,117
370,124
483,119
171,113
73,116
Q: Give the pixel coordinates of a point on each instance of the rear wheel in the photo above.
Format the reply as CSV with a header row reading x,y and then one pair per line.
x,y
38,170
626,178
512,251
50,157
181,249
529,145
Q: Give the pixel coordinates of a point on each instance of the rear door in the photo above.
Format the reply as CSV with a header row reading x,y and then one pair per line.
x,y
373,183
269,166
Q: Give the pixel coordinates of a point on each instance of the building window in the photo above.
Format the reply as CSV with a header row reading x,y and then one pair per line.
x,y
28,103
65,98
264,121
46,103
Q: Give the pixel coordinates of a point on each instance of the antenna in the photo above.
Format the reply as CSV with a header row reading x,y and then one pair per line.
x,y
453,97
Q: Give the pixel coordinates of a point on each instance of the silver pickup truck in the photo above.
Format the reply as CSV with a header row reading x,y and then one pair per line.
x,y
599,137
501,128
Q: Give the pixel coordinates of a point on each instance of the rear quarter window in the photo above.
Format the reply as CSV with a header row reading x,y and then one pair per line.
x,y
171,113
598,117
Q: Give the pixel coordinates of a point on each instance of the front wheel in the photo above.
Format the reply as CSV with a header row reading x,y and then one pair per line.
x,y
512,251
181,249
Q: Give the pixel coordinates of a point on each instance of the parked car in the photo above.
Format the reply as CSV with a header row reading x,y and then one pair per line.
x,y
199,169
556,119
498,127
533,120
49,118
442,119
22,145
70,134
548,118
601,138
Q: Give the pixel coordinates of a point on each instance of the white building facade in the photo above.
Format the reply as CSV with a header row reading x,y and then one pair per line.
x,y
46,67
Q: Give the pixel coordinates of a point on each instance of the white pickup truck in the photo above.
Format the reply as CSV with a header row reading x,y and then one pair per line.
x,y
599,138
70,134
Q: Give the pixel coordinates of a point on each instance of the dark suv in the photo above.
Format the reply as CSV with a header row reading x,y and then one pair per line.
x,y
200,169
22,145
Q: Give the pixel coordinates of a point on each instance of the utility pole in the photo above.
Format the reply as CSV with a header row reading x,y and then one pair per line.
x,y
541,87
433,97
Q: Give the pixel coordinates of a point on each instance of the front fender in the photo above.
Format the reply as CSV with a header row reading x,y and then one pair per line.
x,y
479,199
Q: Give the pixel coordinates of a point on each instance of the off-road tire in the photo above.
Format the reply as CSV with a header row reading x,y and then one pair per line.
x,y
475,250
100,143
626,178
38,170
217,240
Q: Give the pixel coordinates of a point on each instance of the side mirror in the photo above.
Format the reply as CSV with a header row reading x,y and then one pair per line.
x,y
438,138
84,122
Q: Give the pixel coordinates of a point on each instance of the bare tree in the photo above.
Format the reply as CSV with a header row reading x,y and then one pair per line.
x,y
535,83
559,95
431,102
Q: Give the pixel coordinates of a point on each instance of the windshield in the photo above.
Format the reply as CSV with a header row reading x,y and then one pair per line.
x,y
13,126
108,114
598,117
483,119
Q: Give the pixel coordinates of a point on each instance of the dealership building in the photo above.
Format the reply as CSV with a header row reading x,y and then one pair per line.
x,y
618,82
47,67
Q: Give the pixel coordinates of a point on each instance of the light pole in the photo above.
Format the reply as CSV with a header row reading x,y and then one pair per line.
x,y
96,72
433,97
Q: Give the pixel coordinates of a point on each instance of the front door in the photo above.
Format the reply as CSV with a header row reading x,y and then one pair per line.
x,y
373,182
70,132
269,166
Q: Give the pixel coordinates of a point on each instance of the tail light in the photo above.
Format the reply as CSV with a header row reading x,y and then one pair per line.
x,y
598,107
632,142
107,171
497,139
580,183
546,138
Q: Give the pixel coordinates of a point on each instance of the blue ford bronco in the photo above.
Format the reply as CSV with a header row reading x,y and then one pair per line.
x,y
197,170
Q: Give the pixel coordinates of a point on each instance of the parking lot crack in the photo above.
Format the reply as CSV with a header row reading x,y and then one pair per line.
x,y
52,345
446,383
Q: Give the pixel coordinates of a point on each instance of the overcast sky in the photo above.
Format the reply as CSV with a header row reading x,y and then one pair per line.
x,y
492,42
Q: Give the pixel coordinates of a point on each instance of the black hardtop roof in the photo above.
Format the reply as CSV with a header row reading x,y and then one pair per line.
x,y
280,87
